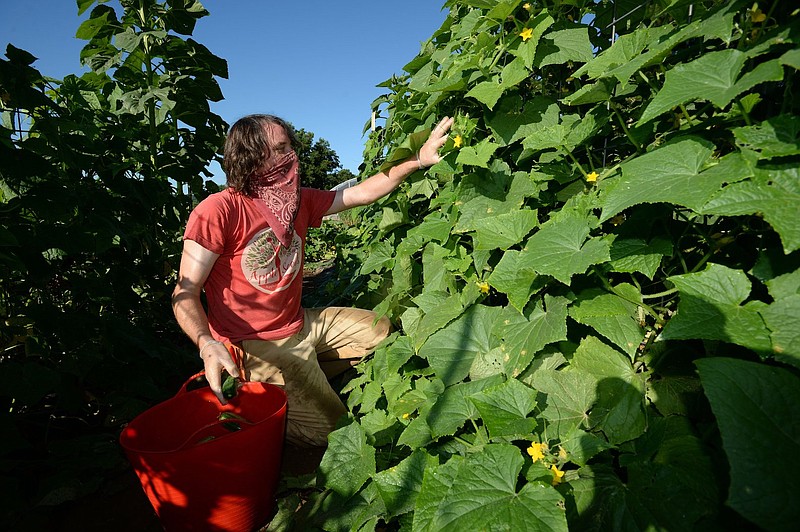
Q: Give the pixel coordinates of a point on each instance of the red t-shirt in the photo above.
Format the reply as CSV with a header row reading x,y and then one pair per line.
x,y
254,288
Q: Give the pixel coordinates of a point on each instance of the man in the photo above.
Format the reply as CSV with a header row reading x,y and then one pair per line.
x,y
244,247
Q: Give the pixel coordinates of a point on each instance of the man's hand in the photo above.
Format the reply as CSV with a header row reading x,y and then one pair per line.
x,y
216,358
429,153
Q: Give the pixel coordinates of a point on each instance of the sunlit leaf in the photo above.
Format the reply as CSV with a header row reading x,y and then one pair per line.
x,y
563,248
714,77
612,316
682,173
480,492
349,461
710,308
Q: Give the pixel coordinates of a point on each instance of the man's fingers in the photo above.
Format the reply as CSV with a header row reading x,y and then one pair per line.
x,y
443,125
214,378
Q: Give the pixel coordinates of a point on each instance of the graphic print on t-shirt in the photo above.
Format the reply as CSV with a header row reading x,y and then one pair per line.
x,y
267,265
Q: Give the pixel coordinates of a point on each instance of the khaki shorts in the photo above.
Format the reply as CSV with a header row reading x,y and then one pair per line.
x,y
331,341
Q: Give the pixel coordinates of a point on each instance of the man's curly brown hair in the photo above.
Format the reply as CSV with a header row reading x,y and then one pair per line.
x,y
247,146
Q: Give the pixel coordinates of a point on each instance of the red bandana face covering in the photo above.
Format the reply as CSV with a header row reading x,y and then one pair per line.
x,y
278,188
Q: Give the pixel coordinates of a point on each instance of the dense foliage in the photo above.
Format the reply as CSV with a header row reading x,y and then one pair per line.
x,y
597,290
98,174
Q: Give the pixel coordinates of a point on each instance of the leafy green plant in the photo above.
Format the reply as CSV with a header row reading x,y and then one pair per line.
x,y
98,174
596,290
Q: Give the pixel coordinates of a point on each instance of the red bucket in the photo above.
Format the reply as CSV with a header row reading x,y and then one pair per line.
x,y
198,472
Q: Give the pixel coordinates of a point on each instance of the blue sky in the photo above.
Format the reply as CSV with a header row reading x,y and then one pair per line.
x,y
315,63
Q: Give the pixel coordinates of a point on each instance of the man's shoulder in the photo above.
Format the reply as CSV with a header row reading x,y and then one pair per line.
x,y
226,198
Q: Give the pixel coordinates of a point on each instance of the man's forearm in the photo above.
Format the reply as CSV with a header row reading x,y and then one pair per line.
x,y
191,317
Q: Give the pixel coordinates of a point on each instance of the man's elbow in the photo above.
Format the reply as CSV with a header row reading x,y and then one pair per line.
x,y
181,294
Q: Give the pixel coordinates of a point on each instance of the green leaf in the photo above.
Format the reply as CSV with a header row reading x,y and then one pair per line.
x,y
358,513
717,26
477,155
348,461
674,395
127,40
487,92
619,410
599,91
710,309
435,275
757,408
410,146
581,446
399,485
778,136
83,5
560,46
502,9
553,134
636,255
524,337
480,493
570,395
391,218
612,316
513,279
783,320
454,407
713,77
478,208
791,58
562,248
624,49
774,194
504,230
417,434
442,314
452,350
380,256
513,73
670,488
90,27
526,50
505,408
682,172
514,121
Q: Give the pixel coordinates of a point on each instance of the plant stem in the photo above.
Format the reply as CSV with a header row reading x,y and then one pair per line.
x,y
574,160
665,293
745,115
624,127
463,441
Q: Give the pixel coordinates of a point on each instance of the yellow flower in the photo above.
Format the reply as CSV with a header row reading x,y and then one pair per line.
x,y
526,6
484,287
756,15
591,178
406,415
536,451
526,34
557,475
457,141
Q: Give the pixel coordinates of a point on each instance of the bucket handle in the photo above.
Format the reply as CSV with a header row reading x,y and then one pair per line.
x,y
189,380
195,434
